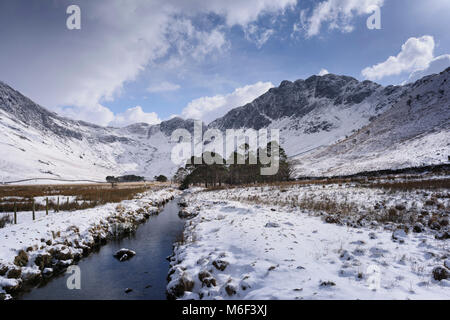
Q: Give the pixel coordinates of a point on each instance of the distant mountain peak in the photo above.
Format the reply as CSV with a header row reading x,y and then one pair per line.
x,y
322,119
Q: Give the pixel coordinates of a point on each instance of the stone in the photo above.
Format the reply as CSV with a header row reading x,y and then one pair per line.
x,y
43,261
220,264
124,254
179,286
14,273
230,289
441,273
21,260
418,227
272,225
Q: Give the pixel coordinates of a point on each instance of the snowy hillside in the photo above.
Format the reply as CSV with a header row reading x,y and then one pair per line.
x,y
414,132
329,124
37,143
314,112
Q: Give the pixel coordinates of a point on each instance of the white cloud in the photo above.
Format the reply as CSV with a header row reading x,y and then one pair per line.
x,y
323,72
416,54
97,114
163,87
259,36
210,108
436,65
119,39
337,13
238,12
134,115
201,43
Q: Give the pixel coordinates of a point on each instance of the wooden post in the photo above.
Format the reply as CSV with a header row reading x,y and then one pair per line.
x,y
15,213
67,204
34,207
46,206
57,206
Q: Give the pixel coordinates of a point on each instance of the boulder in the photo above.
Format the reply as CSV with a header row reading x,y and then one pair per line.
x,y
183,214
441,273
220,264
43,261
31,276
443,235
327,284
47,272
11,285
443,222
21,260
124,254
14,273
182,204
331,219
206,279
177,287
434,224
3,270
272,225
418,227
230,289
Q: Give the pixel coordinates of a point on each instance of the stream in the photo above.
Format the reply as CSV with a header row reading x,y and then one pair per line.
x,y
104,278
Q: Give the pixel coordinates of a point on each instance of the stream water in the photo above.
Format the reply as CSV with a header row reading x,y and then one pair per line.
x,y
103,277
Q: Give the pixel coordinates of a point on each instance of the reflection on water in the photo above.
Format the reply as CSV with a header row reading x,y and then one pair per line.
x,y
105,278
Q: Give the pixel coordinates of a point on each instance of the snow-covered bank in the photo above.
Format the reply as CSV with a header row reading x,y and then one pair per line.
x,y
239,249
35,249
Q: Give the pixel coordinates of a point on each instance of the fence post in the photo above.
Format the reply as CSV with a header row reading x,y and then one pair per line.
x,y
34,207
67,204
57,206
46,206
15,213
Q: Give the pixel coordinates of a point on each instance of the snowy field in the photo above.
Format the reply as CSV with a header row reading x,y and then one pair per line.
x,y
31,250
285,243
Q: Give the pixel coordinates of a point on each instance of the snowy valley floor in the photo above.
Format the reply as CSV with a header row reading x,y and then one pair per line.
x,y
286,243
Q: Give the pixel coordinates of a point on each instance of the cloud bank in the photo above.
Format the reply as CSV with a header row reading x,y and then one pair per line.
x,y
76,72
210,108
416,57
337,14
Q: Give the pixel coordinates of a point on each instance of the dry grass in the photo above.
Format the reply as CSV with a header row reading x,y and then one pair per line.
x,y
408,183
4,220
180,238
86,196
412,185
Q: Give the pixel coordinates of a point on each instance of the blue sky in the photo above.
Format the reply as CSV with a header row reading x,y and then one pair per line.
x,y
145,61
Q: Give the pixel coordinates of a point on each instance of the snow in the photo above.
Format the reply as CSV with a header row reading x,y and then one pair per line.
x,y
39,144
70,233
415,131
281,252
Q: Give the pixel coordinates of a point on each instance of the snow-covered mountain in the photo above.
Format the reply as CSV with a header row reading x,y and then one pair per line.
x,y
329,124
414,131
314,112
37,143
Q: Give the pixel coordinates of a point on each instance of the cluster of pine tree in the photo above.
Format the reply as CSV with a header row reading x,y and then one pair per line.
x,y
244,168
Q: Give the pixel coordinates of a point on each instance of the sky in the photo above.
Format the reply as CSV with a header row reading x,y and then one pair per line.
x,y
150,60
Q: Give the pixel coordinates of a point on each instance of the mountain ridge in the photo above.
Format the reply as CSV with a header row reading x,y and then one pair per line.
x,y
313,115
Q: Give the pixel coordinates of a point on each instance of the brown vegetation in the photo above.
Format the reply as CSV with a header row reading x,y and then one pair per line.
x,y
86,196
